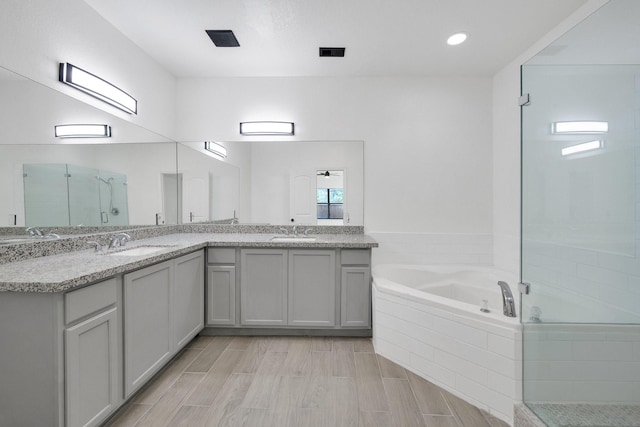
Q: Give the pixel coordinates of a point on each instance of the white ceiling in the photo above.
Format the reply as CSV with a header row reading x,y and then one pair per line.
x,y
382,37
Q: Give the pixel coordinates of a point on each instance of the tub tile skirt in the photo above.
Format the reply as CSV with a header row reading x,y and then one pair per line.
x,y
477,360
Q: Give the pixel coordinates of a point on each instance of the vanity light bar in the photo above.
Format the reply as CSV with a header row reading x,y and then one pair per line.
x,y
216,149
82,131
266,128
579,127
98,88
579,148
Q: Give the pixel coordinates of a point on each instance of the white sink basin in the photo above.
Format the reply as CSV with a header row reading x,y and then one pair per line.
x,y
140,250
290,239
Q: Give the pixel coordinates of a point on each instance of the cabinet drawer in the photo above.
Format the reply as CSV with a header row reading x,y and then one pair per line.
x,y
355,256
85,301
221,256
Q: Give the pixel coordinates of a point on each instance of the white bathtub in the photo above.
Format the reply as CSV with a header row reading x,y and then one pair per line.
x,y
428,319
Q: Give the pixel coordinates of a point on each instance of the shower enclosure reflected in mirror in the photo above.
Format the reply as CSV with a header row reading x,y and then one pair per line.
x,y
65,194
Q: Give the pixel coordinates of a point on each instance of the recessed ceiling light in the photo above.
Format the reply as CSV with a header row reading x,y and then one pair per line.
x,y
456,39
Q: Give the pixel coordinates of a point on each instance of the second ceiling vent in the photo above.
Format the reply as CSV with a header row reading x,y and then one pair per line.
x,y
332,51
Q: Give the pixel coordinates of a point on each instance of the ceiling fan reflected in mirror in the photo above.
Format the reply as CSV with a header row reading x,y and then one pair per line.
x,y
328,173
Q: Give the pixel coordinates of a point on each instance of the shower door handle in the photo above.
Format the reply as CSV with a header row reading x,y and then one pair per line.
x,y
104,217
524,288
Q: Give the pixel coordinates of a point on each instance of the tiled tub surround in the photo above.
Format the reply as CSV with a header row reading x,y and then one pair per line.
x,y
473,355
67,270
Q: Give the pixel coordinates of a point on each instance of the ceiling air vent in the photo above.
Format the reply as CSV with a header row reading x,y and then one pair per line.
x,y
332,51
223,38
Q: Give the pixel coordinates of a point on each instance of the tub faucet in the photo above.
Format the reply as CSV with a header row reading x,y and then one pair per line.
x,y
508,303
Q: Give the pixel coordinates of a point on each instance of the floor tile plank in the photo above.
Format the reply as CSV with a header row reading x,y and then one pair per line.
x,y
467,414
347,407
375,419
343,361
229,399
389,369
161,384
371,394
169,403
189,416
428,396
130,416
209,354
404,409
206,392
440,421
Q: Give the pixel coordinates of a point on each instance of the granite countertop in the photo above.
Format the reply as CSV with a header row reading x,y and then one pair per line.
x,y
61,272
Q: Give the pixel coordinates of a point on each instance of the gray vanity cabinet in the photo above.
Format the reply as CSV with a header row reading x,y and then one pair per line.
x,y
163,310
221,287
263,287
148,295
188,298
91,354
312,288
355,281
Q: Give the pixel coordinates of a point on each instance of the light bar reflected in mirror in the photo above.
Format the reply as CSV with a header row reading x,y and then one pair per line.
x,y
82,131
215,148
579,148
579,127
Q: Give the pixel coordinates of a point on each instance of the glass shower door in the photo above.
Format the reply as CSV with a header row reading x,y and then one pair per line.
x,y
580,193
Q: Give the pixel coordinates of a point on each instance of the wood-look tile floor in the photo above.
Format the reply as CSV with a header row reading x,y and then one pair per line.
x,y
296,382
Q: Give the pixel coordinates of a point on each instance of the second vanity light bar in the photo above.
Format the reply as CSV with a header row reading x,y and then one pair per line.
x,y
267,128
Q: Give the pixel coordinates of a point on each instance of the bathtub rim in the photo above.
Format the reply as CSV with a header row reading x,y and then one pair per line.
x,y
447,307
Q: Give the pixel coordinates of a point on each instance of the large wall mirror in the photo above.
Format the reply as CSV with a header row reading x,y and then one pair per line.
x,y
51,182
138,177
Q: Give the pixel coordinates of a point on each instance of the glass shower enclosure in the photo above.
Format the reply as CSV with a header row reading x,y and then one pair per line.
x,y
580,237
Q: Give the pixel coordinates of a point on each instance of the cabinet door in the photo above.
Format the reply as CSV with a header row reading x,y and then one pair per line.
x,y
91,369
147,323
356,297
188,298
312,288
263,287
221,295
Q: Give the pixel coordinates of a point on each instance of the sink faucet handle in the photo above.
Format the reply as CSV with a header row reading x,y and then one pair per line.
x,y
98,246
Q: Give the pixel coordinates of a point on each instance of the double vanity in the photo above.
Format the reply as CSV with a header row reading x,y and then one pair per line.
x,y
84,330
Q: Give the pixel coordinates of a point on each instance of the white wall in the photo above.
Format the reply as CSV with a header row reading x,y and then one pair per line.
x,y
427,140
36,35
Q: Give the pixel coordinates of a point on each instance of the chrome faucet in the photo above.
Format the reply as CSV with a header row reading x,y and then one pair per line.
x,y
119,240
34,232
508,303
